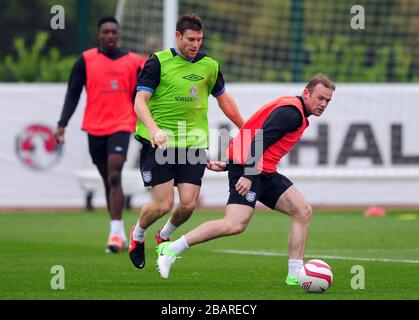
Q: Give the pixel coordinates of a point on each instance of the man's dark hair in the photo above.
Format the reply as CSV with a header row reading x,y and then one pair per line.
x,y
105,20
189,21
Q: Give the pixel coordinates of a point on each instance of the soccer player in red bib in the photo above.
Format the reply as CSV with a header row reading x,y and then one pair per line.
x,y
109,75
253,156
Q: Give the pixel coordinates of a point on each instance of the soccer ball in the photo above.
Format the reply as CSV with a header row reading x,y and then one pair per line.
x,y
315,276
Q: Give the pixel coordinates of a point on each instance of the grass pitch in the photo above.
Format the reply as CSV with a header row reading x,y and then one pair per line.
x,y
251,266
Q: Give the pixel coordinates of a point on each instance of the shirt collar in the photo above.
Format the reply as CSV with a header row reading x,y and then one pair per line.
x,y
175,53
111,53
306,113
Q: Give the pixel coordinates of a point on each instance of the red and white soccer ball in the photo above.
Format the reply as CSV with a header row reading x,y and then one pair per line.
x,y
315,276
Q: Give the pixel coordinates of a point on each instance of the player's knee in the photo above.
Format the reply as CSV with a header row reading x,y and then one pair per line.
x,y
188,206
241,226
114,178
165,206
305,213
235,227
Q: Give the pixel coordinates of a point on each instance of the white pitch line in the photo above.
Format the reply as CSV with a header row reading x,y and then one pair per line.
x,y
281,254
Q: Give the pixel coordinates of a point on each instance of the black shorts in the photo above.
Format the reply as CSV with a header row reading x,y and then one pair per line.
x,y
266,188
182,165
102,146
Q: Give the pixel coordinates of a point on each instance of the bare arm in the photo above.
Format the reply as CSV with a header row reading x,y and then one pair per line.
x,y
216,165
230,109
242,186
157,136
142,111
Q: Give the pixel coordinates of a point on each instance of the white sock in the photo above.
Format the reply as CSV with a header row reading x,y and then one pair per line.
x,y
117,227
139,233
294,266
167,230
179,245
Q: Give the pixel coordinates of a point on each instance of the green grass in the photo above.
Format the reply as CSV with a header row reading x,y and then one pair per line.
x,y
31,243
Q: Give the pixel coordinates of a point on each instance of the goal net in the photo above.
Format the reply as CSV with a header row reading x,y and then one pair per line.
x,y
289,40
141,25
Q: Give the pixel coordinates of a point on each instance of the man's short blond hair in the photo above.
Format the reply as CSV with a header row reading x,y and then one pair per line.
x,y
322,79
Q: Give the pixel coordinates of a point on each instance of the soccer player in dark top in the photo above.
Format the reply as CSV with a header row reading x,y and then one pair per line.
x,y
172,108
109,75
253,156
